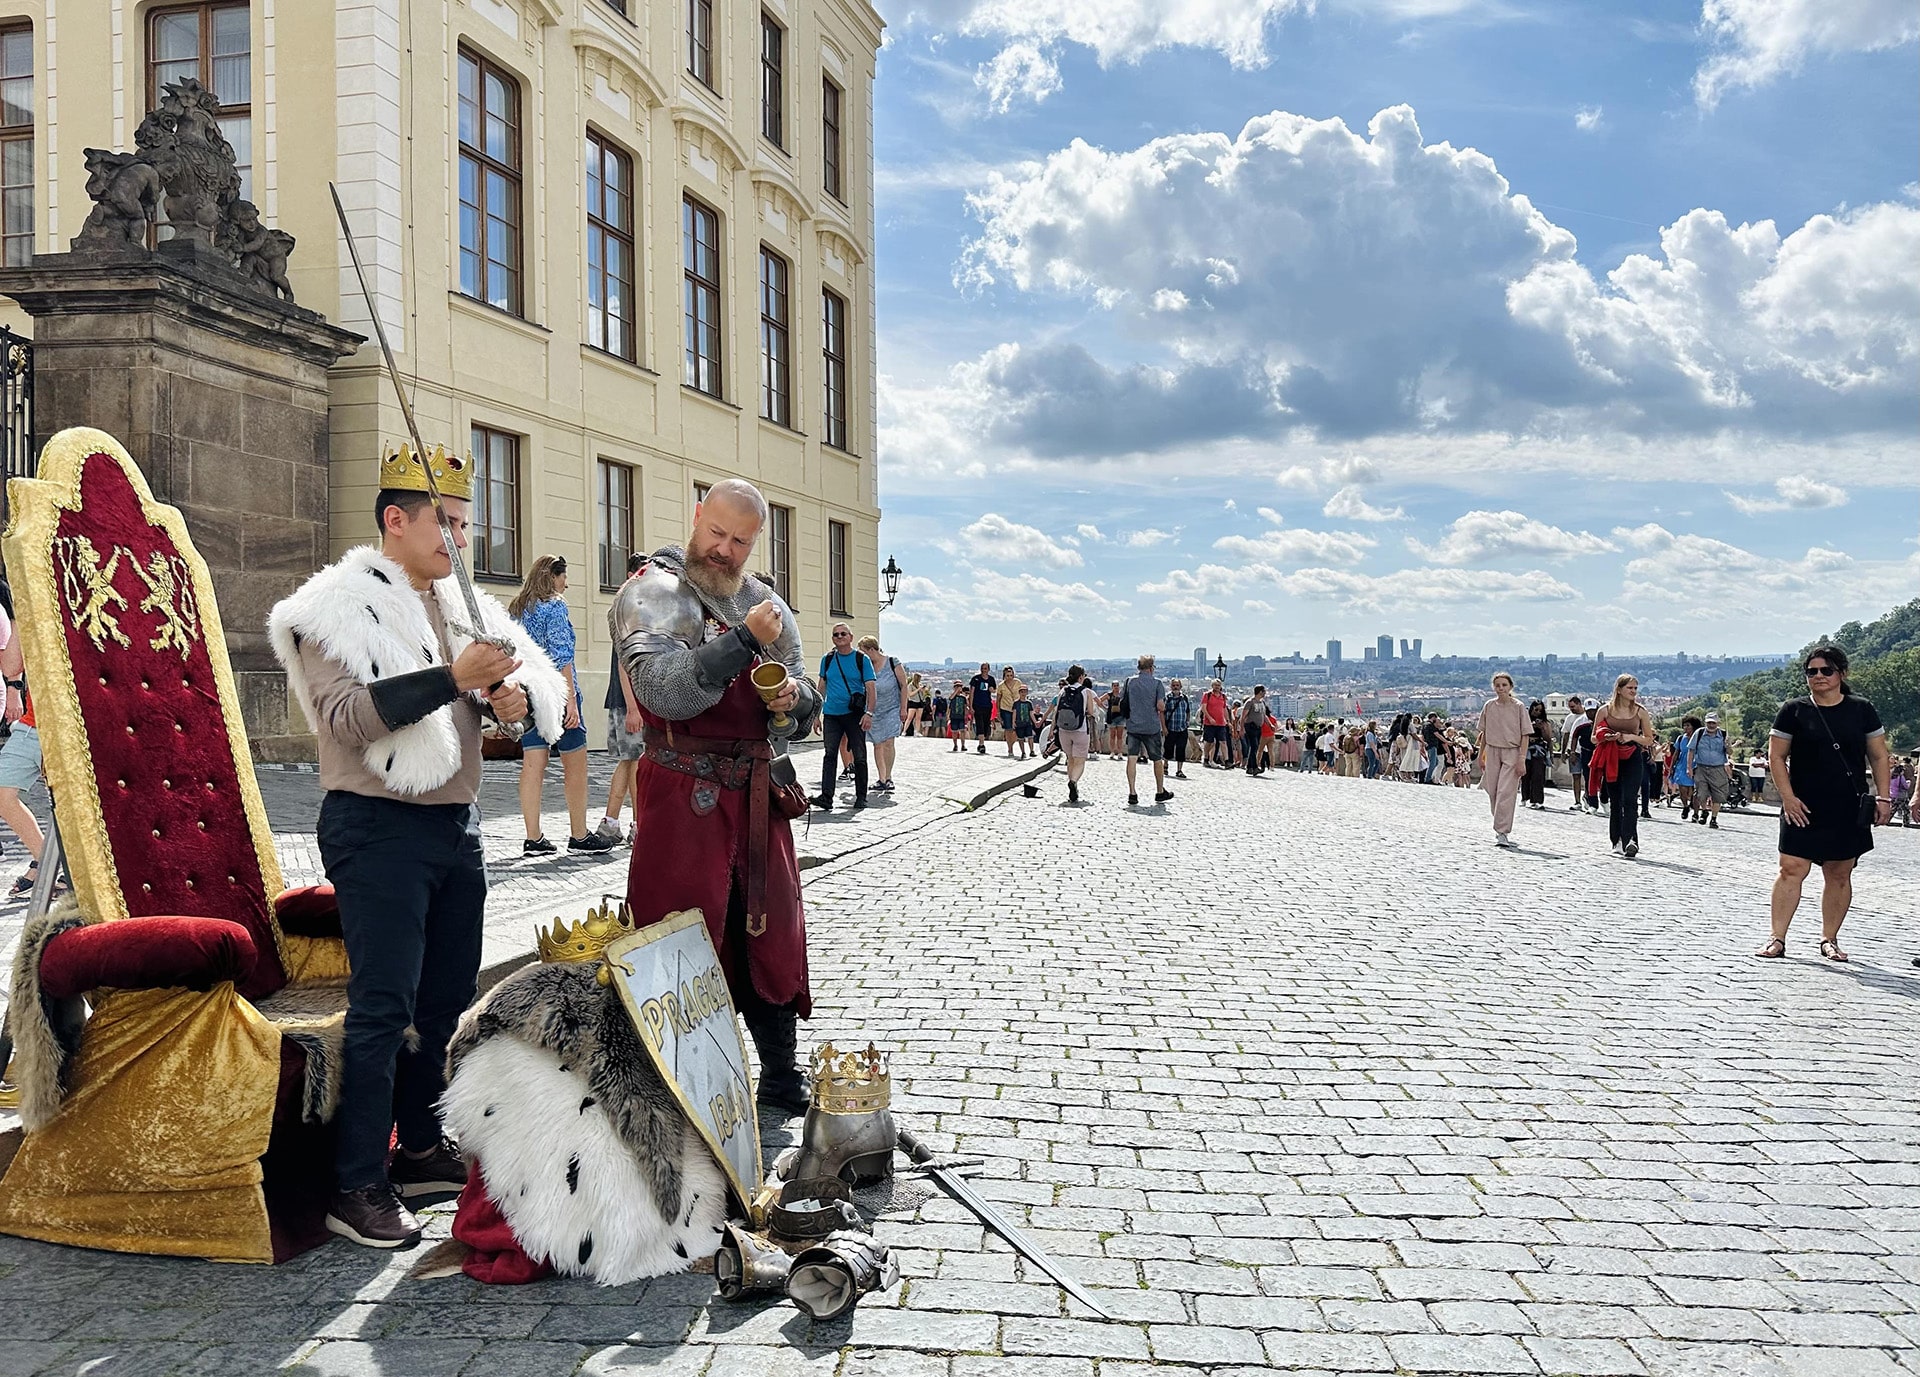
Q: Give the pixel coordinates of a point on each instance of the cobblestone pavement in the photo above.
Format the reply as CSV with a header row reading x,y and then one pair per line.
x,y
1299,1074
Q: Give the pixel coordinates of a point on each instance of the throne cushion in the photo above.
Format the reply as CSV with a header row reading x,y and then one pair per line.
x,y
146,954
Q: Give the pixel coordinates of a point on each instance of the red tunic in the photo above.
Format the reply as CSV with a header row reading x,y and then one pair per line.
x,y
687,859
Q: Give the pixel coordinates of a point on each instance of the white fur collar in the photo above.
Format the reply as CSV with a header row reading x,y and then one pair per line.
x,y
368,619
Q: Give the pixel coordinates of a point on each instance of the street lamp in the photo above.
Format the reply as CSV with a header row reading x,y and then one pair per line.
x,y
1220,668
891,576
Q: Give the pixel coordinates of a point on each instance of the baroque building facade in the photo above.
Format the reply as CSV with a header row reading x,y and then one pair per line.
x,y
622,249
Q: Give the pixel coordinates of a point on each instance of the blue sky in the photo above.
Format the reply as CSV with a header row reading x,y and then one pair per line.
x,y
1515,326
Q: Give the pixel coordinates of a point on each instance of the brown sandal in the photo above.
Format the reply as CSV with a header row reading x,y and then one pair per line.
x,y
1775,948
1831,950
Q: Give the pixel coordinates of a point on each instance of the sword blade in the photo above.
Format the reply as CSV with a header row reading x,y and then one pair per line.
x,y
957,1186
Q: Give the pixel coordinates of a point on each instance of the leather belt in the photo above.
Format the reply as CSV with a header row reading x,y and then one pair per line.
x,y
731,764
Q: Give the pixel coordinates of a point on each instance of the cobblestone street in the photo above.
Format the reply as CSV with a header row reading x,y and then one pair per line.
x,y
1299,1074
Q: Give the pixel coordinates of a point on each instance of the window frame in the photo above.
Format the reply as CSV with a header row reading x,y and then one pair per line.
x,y
601,149
839,590
833,98
776,337
773,81
833,368
512,174
22,133
483,524
693,285
780,550
613,572
700,64
205,10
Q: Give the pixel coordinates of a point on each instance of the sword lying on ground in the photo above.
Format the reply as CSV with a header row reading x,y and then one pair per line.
x,y
957,1186
476,630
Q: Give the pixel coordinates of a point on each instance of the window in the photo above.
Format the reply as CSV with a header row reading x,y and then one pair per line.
x,y
700,260
773,98
700,41
213,44
610,257
833,349
837,569
776,367
700,491
830,97
489,183
16,146
493,542
780,551
616,523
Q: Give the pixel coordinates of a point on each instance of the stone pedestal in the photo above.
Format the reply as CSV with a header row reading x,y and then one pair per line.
x,y
220,395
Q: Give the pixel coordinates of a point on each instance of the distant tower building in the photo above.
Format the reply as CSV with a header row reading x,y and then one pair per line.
x,y
1406,648
1383,648
1199,662
1333,655
1416,650
1370,653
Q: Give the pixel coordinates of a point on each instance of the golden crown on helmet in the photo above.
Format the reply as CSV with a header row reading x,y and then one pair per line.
x,y
588,939
851,1082
400,471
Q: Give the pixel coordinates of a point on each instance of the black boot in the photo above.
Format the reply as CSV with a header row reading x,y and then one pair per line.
x,y
775,1034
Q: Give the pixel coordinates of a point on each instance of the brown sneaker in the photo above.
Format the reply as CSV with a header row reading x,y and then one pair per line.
x,y
441,1172
373,1217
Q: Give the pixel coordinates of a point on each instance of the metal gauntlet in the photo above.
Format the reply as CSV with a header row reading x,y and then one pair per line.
x,y
725,658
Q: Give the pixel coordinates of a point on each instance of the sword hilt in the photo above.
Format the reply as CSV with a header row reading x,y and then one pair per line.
x,y
917,1152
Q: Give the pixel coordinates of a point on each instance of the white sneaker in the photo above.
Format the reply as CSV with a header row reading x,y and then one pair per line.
x,y
1501,839
611,830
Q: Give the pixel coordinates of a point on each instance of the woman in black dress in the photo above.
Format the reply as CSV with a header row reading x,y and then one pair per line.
x,y
1821,747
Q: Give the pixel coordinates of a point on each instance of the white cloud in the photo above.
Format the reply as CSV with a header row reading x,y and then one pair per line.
x,y
1285,546
1151,536
1089,533
1345,285
1758,40
1331,472
1115,30
995,540
1404,589
1019,73
1190,610
986,596
1479,537
1587,118
1793,492
1348,505
1723,580
1256,605
1269,514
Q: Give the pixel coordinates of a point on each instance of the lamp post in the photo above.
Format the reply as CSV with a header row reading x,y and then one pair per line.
x,y
1220,668
891,578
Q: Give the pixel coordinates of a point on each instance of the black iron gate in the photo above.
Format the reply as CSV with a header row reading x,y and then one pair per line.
x,y
19,446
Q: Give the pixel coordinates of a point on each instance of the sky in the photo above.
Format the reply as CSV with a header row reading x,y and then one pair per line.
x,y
1516,325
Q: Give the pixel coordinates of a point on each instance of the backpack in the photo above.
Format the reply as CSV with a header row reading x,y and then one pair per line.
x,y
1071,714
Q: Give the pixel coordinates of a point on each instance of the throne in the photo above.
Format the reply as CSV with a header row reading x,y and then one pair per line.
x,y
177,1024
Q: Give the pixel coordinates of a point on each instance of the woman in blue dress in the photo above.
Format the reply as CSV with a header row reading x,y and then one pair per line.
x,y
1680,764
890,690
541,607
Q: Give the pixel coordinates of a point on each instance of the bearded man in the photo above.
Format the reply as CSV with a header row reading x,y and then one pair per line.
x,y
690,628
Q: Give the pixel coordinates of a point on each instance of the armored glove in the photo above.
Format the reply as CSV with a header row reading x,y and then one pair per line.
x,y
747,1263
827,1279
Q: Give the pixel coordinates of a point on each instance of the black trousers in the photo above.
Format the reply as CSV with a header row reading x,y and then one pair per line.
x,y
1623,801
835,728
1177,748
1533,784
412,887
1256,762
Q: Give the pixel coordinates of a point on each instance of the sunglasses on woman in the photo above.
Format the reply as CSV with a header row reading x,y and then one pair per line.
x,y
1819,671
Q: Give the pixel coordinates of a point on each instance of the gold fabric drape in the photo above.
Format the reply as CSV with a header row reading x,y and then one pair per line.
x,y
157,1147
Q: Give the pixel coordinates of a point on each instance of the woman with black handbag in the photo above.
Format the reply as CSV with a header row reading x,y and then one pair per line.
x,y
1821,748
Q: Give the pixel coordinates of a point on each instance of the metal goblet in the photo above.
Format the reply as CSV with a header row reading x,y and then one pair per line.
x,y
770,681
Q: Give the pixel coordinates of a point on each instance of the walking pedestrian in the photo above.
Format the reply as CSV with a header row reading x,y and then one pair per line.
x,y
1709,752
625,742
1004,697
957,717
917,706
1503,734
1580,753
1179,716
20,765
1116,703
1214,748
1533,785
889,699
1071,712
541,607
1144,699
1025,723
982,688
1821,748
1254,716
1654,780
1630,731
847,690
1682,767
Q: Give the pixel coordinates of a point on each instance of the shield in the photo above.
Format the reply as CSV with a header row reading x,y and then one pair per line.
x,y
673,988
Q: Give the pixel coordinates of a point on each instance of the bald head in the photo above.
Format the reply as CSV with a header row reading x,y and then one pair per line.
x,y
725,526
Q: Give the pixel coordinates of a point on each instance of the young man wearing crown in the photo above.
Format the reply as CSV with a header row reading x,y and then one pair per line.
x,y
690,628
395,686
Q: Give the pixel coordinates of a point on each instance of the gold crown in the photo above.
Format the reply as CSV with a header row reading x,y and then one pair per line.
x,y
850,1082
588,939
401,471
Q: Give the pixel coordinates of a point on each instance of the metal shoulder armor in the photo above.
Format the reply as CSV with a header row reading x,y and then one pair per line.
x,y
656,612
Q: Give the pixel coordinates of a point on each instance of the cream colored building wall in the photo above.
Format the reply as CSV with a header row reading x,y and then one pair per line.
x,y
362,92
